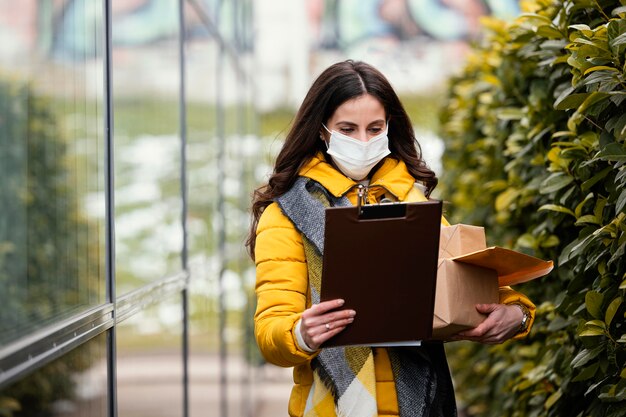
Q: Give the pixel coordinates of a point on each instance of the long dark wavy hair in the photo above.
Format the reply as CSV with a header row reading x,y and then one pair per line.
x,y
337,84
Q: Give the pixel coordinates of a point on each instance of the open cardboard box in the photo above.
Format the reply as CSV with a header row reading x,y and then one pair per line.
x,y
469,273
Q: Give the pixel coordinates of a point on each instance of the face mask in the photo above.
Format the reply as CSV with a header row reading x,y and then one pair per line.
x,y
356,158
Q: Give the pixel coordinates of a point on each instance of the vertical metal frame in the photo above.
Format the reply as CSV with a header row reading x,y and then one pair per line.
x,y
110,208
241,120
221,237
183,187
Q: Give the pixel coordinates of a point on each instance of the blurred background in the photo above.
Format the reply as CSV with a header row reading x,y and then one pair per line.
x,y
132,135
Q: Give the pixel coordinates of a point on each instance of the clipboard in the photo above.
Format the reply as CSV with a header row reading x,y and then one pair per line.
x,y
382,260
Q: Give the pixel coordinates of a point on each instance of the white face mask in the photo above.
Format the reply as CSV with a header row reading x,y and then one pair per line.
x,y
356,158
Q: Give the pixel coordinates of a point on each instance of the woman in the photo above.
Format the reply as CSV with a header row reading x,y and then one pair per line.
x,y
350,135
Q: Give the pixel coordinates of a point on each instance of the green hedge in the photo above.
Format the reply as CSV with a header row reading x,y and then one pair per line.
x,y
535,130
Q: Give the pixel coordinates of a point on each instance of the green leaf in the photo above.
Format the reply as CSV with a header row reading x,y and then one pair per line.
x,y
596,323
584,29
526,241
579,114
552,399
505,199
600,68
611,310
589,218
533,19
587,373
555,182
613,152
618,255
8,406
510,113
592,43
571,101
555,207
579,208
550,242
592,331
598,210
563,133
617,125
593,180
608,395
592,99
593,303
620,40
585,355
621,175
549,31
621,201
596,385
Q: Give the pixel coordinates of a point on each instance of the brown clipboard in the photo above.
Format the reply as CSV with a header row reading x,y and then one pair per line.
x,y
382,260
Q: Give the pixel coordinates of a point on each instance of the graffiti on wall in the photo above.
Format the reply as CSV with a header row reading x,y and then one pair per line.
x,y
334,24
342,23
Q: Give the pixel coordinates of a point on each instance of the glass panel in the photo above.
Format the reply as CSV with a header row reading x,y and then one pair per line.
x,y
51,163
219,125
201,52
74,385
146,85
150,362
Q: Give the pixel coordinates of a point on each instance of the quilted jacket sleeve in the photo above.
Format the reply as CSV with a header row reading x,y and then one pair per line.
x,y
281,288
509,296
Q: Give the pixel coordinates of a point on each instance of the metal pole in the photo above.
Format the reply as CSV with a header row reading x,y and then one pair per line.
x,y
110,208
182,106
242,83
221,176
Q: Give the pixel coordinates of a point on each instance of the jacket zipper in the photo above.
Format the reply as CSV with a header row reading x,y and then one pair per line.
x,y
362,195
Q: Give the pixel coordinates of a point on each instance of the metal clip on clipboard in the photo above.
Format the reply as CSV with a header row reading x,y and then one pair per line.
x,y
378,211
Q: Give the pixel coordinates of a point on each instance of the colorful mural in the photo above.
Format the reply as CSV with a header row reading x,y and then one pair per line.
x,y
342,23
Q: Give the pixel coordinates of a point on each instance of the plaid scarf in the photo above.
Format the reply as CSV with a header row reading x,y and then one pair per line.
x,y
344,382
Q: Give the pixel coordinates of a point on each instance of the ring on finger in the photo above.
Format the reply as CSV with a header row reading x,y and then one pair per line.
x,y
327,325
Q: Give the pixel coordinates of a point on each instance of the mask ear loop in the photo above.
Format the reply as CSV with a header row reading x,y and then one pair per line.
x,y
326,142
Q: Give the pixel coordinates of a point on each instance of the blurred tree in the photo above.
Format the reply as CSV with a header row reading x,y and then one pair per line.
x,y
49,253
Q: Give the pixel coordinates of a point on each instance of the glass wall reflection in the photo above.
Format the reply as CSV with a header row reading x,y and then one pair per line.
x,y
201,53
146,86
220,147
52,223
150,361
72,386
51,163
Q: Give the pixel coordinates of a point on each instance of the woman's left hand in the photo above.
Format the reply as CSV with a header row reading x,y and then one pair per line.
x,y
502,323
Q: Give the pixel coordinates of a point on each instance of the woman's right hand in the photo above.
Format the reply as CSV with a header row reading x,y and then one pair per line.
x,y
322,321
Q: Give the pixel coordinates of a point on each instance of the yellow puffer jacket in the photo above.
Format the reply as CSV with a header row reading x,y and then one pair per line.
x,y
282,285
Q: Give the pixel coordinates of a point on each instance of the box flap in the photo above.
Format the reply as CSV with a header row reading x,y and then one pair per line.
x,y
460,239
512,267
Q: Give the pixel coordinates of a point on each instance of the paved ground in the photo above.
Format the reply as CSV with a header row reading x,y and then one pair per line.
x,y
150,386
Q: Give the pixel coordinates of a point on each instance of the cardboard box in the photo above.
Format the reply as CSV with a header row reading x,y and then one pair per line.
x,y
460,239
459,288
469,273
